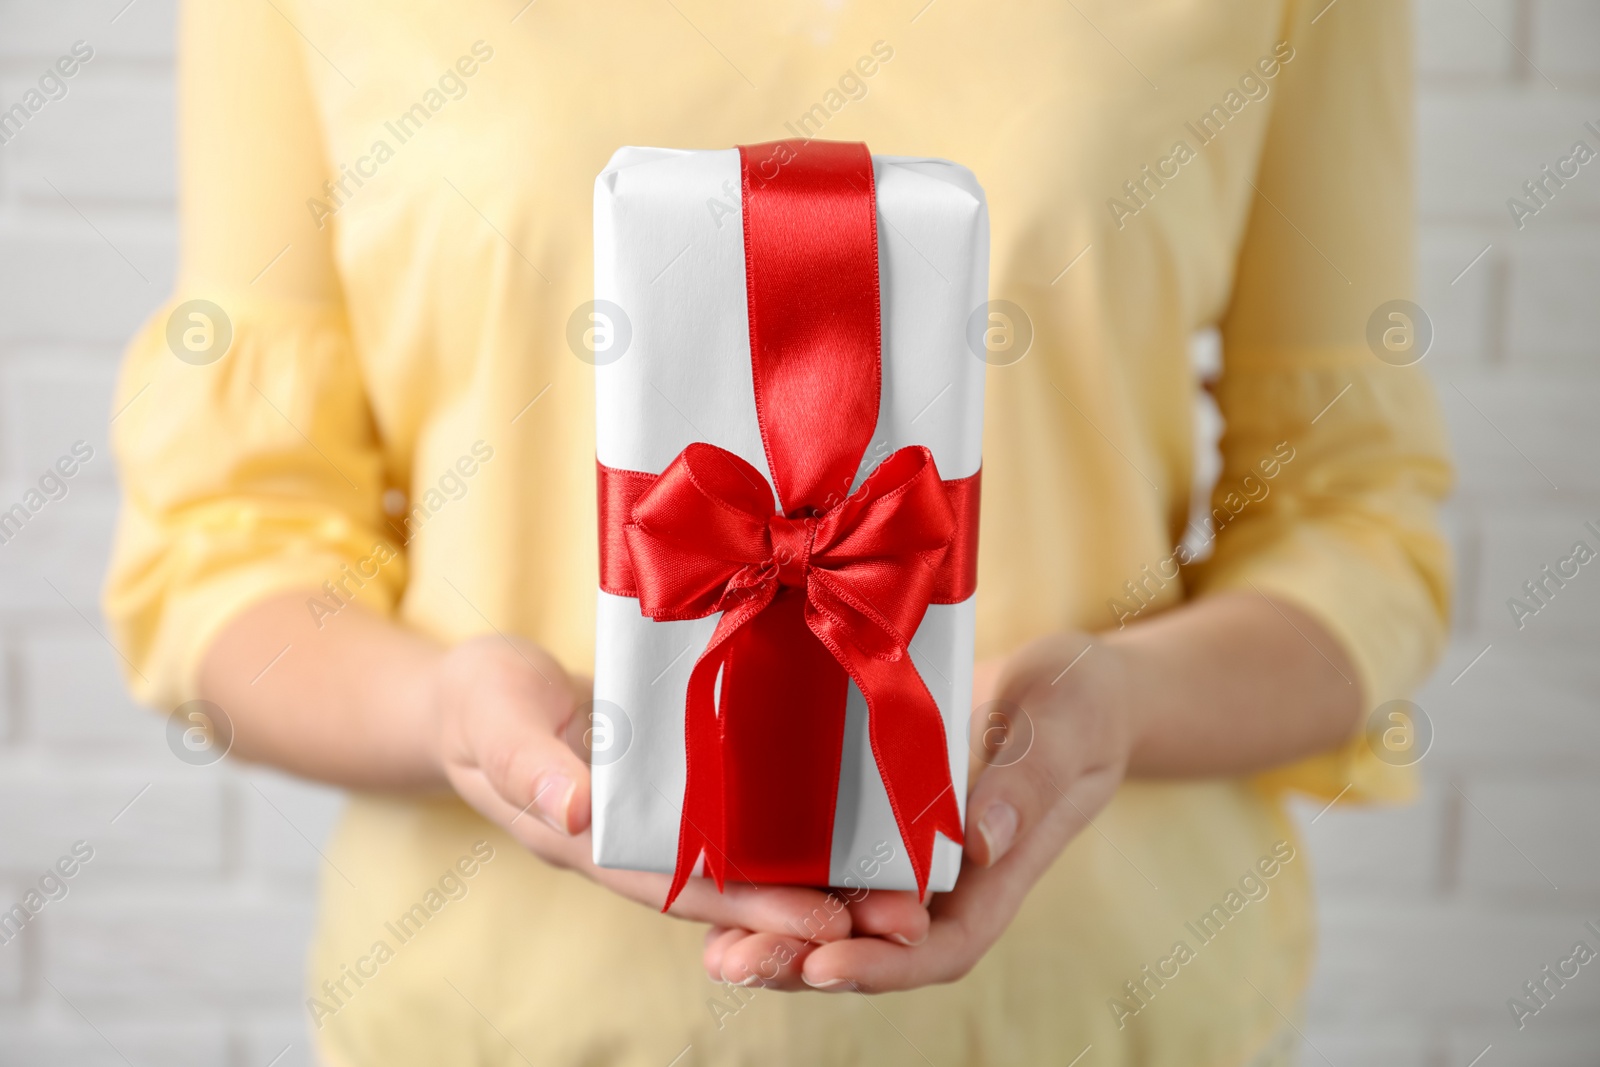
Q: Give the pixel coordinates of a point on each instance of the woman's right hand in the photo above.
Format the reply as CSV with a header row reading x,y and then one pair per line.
x,y
509,742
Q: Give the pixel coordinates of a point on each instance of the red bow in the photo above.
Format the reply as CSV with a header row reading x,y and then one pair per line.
x,y
814,592
707,538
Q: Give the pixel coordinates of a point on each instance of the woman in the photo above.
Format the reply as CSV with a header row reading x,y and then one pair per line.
x,y
366,531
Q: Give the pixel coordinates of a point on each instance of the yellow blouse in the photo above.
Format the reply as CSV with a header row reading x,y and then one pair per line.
x,y
391,207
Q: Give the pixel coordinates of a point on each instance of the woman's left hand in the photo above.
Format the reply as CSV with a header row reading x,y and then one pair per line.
x,y
1022,810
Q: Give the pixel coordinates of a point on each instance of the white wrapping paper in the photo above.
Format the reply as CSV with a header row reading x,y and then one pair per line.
x,y
669,251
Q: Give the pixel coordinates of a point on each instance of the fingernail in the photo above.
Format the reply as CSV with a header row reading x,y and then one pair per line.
x,y
829,984
552,799
902,939
998,826
750,978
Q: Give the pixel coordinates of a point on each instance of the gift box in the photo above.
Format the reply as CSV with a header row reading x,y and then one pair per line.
x,y
789,416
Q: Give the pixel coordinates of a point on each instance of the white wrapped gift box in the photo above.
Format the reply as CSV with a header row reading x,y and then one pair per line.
x,y
669,253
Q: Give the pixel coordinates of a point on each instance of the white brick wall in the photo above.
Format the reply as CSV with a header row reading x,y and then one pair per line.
x,y
1434,916
180,941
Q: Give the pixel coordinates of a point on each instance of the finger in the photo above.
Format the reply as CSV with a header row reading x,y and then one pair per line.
x,y
718,940
986,675
804,914
568,851
894,914
964,922
577,732
873,965
1004,805
962,926
807,914
771,961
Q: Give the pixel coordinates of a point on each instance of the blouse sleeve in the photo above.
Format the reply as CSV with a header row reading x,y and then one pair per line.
x,y
1346,528
242,432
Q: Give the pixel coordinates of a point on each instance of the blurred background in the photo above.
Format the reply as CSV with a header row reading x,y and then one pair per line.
x,y
180,941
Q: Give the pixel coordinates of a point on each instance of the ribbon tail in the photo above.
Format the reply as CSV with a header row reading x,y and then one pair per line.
x,y
703,822
782,708
913,756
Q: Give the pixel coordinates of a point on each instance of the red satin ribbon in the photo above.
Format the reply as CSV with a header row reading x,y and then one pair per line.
x,y
955,580
819,589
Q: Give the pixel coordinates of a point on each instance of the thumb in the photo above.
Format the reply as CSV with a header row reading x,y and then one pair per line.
x,y
520,709
1013,790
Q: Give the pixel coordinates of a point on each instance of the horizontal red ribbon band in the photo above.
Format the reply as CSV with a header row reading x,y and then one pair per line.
x,y
619,490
